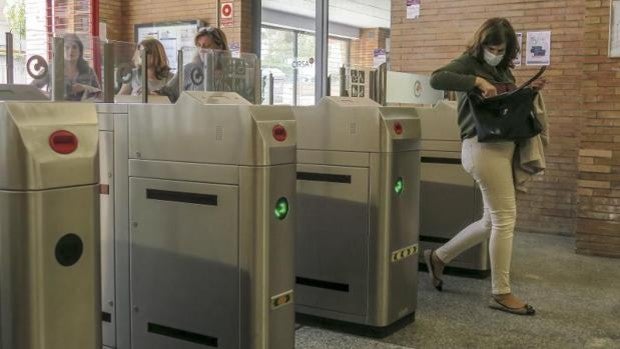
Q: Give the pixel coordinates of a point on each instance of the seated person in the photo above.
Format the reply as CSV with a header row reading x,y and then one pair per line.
x,y
158,70
207,38
81,82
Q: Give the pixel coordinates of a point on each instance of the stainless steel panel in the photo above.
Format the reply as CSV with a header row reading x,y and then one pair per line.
x,y
109,108
266,255
394,227
355,125
183,171
45,304
398,229
106,122
352,128
441,146
447,197
439,122
106,170
121,232
11,92
334,158
331,252
184,269
229,134
25,129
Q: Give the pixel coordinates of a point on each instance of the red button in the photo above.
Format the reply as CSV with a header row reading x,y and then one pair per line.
x,y
398,128
279,133
63,142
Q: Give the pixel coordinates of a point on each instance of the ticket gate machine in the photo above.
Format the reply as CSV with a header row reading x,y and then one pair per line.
x,y
357,232
204,209
450,198
49,231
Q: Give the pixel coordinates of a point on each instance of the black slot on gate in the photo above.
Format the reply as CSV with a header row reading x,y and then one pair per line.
x,y
323,177
183,335
328,285
437,160
179,196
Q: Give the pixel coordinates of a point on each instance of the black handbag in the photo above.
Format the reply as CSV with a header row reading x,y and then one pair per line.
x,y
506,117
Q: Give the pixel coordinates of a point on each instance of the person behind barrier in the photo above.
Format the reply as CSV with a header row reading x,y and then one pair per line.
x,y
486,66
207,38
81,82
158,70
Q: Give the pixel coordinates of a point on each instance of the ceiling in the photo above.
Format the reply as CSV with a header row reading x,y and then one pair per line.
x,y
356,13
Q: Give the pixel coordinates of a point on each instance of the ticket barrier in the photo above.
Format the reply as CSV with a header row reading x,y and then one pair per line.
x,y
357,232
49,228
451,199
203,205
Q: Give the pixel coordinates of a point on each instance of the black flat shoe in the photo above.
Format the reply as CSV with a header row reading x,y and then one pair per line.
x,y
525,310
437,282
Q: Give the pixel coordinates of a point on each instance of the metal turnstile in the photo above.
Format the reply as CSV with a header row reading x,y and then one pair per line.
x,y
211,194
49,228
357,232
114,176
450,199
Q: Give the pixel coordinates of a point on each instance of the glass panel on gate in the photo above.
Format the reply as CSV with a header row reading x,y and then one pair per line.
x,y
126,65
228,72
221,71
31,63
81,63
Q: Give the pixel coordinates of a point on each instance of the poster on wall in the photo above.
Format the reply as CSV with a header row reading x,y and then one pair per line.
x,y
413,9
614,29
517,61
379,56
538,50
173,35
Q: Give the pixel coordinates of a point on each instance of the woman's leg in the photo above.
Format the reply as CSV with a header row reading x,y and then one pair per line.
x,y
490,164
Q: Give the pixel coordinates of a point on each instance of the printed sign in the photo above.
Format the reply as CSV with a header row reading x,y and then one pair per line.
x,y
538,50
226,14
379,57
413,9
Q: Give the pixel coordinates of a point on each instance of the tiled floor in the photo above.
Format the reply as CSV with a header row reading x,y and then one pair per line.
x,y
577,299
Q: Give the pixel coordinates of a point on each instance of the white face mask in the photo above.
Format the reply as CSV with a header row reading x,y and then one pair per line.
x,y
491,59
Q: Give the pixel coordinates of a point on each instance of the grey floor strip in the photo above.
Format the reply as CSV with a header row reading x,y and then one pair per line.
x,y
314,338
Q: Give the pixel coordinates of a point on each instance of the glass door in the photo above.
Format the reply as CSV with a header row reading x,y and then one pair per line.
x,y
288,51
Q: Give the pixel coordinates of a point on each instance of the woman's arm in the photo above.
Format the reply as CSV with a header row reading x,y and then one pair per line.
x,y
456,76
126,89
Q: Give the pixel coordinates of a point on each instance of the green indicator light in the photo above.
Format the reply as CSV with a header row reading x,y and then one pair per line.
x,y
281,210
399,187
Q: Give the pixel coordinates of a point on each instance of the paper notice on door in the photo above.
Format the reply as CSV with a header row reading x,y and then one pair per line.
x,y
413,9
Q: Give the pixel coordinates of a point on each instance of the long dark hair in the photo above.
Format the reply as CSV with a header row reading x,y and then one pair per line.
x,y
495,31
82,65
156,50
216,34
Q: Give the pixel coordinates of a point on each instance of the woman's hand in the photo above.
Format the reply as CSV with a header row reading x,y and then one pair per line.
x,y
488,90
538,84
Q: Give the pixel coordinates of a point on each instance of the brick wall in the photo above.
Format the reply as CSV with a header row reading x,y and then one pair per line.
x,y
362,50
598,214
111,12
580,191
122,15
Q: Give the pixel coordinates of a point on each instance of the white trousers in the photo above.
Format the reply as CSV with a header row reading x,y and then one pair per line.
x,y
490,164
